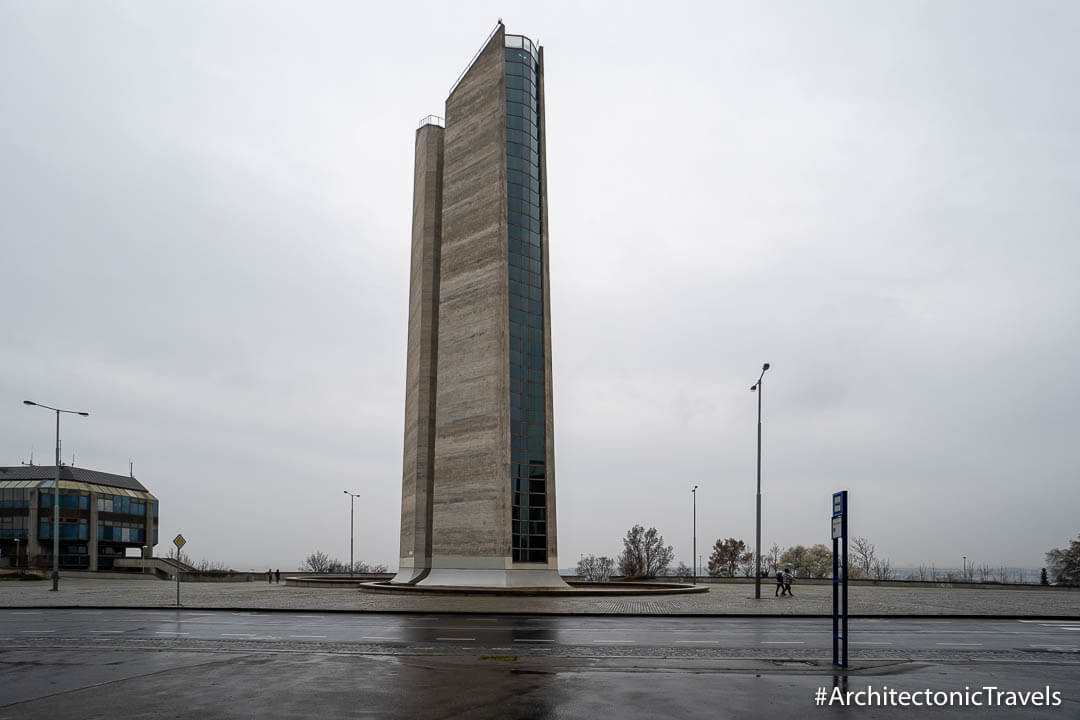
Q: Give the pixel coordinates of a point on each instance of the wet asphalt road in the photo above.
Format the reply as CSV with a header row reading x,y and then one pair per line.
x,y
164,663
775,637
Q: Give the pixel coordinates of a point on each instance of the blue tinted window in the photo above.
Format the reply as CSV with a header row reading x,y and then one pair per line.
x,y
524,200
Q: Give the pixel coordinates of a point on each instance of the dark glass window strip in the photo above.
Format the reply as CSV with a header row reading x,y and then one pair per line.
x,y
527,367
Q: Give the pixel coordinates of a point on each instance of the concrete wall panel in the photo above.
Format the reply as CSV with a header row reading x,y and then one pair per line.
x,y
472,420
421,356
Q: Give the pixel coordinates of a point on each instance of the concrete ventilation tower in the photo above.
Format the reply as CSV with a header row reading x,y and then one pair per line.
x,y
478,483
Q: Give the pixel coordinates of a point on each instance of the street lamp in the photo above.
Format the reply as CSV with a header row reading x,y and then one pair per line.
x,y
56,491
757,537
694,556
352,511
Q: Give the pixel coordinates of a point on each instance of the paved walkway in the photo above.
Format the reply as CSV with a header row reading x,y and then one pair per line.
x,y
721,599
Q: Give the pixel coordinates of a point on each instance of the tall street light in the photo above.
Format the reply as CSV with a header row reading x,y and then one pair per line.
x,y
694,556
757,536
352,524
56,491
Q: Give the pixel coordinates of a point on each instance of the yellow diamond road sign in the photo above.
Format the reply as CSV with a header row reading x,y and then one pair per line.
x,y
179,541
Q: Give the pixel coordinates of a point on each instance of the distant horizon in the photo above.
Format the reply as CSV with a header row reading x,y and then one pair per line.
x,y
900,570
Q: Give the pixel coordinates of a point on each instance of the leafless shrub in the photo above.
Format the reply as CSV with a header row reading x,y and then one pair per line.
x,y
882,570
591,568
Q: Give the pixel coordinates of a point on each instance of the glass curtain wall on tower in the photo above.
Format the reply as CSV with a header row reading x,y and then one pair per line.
x,y
527,421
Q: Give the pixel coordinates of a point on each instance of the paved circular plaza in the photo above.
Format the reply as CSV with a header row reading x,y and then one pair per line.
x,y
722,599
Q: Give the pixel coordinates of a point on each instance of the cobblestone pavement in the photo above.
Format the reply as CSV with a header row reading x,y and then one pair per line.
x,y
720,600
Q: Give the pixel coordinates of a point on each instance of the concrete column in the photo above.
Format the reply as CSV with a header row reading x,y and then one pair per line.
x,y
91,544
33,542
148,525
417,475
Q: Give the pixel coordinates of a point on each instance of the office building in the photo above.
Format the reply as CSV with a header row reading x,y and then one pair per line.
x,y
102,517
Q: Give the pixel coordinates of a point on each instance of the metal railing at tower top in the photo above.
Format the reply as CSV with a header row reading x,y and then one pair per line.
x,y
431,120
523,43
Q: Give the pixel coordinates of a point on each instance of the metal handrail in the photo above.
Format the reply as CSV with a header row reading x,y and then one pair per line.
x,y
431,120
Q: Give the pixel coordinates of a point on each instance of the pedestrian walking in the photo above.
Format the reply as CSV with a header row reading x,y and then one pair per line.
x,y
269,576
788,579
779,582
277,576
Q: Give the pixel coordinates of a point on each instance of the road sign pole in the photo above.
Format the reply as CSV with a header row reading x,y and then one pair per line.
x,y
179,542
840,578
844,559
835,603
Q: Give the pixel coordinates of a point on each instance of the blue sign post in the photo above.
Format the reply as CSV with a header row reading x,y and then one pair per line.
x,y
839,578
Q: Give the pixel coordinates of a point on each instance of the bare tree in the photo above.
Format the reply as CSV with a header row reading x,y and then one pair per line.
x,y
771,560
205,565
882,570
595,569
683,570
644,554
363,568
864,555
747,563
319,562
724,560
180,556
374,568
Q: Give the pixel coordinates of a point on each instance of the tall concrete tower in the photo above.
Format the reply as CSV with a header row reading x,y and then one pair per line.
x,y
478,483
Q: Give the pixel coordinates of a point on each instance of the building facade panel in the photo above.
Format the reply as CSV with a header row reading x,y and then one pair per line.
x,y
469,497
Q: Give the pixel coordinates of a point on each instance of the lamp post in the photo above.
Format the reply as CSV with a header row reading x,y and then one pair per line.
x,y
56,491
352,511
694,556
17,541
965,567
757,535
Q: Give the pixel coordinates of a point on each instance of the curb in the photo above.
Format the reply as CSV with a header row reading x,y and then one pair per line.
x,y
698,616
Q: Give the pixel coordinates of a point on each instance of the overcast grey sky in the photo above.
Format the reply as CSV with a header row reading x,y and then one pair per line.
x,y
205,235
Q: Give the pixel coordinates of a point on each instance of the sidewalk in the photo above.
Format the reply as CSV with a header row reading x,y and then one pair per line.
x,y
720,600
